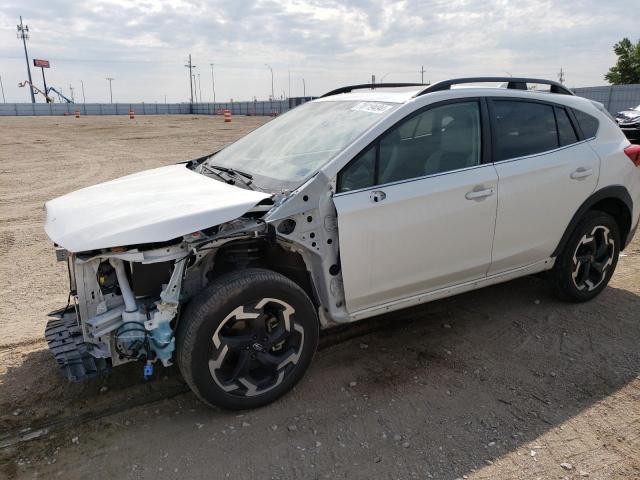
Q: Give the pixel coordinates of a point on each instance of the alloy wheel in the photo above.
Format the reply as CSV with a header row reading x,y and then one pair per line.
x,y
592,258
255,347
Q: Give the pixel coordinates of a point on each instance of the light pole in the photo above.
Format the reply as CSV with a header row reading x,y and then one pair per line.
x,y
110,90
213,84
23,33
269,67
2,88
84,100
193,81
304,89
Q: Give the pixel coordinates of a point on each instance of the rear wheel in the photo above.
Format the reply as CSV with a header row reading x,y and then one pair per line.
x,y
589,258
247,339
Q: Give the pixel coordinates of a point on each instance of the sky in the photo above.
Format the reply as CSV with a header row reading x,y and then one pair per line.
x,y
144,45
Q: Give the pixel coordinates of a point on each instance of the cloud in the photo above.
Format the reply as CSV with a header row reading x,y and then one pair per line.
x,y
144,44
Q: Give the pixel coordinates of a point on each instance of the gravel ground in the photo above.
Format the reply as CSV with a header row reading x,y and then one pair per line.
x,y
500,383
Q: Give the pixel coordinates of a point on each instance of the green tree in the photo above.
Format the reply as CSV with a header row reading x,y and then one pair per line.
x,y
627,68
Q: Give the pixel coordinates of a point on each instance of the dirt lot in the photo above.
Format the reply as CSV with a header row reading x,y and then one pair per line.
x,y
504,382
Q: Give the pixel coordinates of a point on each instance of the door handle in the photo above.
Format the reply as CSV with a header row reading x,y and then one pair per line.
x,y
479,194
377,196
581,173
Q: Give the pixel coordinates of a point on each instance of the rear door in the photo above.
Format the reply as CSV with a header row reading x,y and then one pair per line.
x,y
544,174
416,210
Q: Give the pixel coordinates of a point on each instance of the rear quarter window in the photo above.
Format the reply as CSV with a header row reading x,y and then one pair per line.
x,y
588,124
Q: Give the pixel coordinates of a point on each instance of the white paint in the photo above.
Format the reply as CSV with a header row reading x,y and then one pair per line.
x,y
150,206
424,235
536,201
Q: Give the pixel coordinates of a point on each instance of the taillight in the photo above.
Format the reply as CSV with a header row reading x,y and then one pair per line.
x,y
633,152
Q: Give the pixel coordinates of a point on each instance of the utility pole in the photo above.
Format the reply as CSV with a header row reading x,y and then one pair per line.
x,y
269,67
373,82
23,33
4,100
561,76
200,87
84,100
422,74
304,89
110,91
195,85
213,83
190,66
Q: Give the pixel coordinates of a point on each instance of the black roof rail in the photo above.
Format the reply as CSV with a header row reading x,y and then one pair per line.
x,y
516,83
371,86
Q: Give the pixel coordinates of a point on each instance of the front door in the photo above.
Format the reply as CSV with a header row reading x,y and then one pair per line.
x,y
417,209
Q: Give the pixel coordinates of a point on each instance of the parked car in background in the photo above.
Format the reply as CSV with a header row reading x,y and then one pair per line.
x,y
359,203
629,122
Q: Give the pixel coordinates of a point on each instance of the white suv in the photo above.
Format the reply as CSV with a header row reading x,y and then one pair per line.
x,y
358,203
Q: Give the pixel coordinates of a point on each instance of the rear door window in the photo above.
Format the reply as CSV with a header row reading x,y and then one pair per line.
x,y
523,128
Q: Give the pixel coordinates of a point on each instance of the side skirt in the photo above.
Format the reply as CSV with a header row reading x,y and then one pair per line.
x,y
453,290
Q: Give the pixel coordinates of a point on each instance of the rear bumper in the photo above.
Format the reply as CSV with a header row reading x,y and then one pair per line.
x,y
66,342
632,133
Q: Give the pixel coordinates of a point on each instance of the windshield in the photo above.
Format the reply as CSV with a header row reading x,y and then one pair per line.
x,y
288,150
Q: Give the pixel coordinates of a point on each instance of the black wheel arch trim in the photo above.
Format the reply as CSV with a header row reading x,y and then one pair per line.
x,y
618,192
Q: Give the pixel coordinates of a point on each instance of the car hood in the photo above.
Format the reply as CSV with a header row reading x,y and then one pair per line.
x,y
628,114
150,206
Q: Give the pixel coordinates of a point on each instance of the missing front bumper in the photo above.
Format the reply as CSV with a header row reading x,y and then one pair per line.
x,y
67,345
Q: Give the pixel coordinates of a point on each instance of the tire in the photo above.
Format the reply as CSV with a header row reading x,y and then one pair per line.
x,y
246,339
588,260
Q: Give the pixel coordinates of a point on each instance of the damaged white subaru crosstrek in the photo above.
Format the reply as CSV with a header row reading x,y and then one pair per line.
x,y
353,205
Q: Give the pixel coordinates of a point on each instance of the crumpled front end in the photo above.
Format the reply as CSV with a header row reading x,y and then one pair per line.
x,y
124,302
122,307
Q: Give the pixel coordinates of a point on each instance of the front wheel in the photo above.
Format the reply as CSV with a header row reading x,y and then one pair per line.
x,y
247,339
589,258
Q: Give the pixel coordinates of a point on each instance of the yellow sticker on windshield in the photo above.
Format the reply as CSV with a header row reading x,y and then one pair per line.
x,y
371,107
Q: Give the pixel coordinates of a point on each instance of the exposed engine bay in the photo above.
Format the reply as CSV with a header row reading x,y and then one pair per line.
x,y
125,302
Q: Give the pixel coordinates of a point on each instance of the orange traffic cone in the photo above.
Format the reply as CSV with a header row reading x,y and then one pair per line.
x,y
132,114
77,113
227,115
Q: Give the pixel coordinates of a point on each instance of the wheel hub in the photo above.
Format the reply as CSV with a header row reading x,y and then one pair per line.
x,y
593,258
255,347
